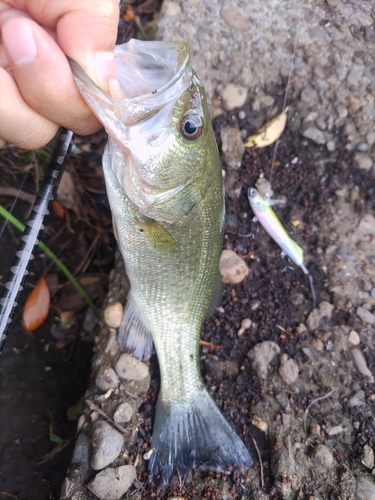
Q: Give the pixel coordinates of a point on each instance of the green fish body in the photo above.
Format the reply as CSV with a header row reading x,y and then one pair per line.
x,y
164,184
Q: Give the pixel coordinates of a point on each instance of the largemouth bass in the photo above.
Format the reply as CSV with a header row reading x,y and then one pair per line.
x,y
164,184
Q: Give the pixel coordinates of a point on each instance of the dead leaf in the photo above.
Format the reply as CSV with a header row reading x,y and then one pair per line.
x,y
58,209
66,193
128,16
37,305
269,133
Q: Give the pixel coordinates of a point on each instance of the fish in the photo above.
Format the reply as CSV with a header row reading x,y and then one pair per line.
x,y
164,183
263,212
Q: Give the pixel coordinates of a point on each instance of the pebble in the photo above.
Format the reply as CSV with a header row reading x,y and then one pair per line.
x,y
333,431
106,378
364,162
112,484
315,135
261,424
130,368
353,337
107,443
262,354
323,456
232,268
365,489
365,315
233,96
319,314
360,362
232,146
81,454
288,369
113,314
171,8
123,413
358,399
368,458
245,325
367,225
234,18
317,344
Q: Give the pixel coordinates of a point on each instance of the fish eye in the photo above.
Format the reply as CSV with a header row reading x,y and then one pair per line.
x,y
191,127
251,192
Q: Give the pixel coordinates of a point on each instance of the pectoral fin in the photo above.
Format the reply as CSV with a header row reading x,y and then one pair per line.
x,y
133,336
160,238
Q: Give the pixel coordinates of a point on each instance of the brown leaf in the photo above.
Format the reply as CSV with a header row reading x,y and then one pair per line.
x,y
58,208
37,305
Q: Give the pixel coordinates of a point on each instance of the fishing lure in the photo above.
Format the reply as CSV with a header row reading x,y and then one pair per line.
x,y
271,223
31,236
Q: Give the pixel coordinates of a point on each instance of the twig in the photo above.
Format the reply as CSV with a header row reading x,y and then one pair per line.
x,y
14,192
209,344
54,452
260,463
311,404
96,408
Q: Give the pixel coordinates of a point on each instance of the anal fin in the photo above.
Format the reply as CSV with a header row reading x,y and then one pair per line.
x,y
133,336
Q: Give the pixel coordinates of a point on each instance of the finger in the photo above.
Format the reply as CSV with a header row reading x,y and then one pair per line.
x,y
86,31
42,74
19,124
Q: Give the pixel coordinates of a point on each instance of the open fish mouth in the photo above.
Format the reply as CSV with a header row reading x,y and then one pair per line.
x,y
151,76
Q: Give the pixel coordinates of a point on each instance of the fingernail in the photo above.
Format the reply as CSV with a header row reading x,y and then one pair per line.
x,y
19,42
105,67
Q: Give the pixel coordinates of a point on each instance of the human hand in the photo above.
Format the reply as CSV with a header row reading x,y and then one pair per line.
x,y
37,89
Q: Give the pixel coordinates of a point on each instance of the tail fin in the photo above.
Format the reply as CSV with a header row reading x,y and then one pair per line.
x,y
185,437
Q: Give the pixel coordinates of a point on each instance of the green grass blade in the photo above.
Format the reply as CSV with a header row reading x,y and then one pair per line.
x,y
16,223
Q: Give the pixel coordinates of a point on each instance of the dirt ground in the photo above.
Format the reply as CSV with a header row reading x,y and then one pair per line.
x,y
307,412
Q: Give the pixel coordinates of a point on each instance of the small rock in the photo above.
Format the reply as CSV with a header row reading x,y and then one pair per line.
x,y
333,3
261,424
315,429
129,368
123,413
234,18
233,96
113,314
368,458
112,484
323,456
232,268
245,325
319,315
107,444
365,315
106,378
333,431
288,369
367,225
262,354
353,337
365,489
315,135
364,162
171,9
317,344
358,399
82,448
360,362
232,146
